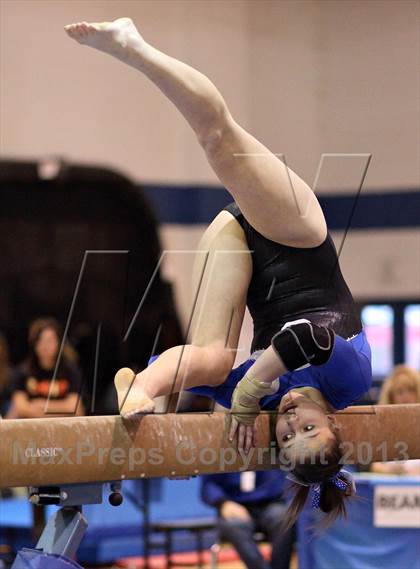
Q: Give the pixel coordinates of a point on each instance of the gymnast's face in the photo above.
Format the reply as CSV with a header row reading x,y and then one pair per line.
x,y
303,427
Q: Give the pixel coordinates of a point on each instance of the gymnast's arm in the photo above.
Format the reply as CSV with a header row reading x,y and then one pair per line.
x,y
297,344
261,379
268,367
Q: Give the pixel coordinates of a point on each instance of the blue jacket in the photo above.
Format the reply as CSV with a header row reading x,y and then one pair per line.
x,y
217,488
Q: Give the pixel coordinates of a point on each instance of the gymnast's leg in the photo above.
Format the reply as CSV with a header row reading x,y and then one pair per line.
x,y
221,276
274,200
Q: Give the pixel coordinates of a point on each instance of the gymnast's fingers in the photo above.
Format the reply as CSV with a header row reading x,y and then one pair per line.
x,y
249,438
241,436
254,436
233,428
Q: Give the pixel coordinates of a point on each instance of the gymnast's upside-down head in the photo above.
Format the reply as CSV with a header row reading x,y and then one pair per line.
x,y
309,443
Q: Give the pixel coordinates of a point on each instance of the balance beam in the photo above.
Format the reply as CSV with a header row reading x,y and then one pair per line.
x,y
51,451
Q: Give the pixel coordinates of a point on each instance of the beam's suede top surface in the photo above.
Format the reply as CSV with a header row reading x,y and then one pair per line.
x,y
65,450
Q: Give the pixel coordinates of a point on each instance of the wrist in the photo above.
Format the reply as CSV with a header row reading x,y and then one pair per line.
x,y
257,388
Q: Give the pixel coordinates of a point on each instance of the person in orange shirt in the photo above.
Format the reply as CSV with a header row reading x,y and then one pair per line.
x,y
35,392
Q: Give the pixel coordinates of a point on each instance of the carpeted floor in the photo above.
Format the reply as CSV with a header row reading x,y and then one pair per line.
x,y
227,559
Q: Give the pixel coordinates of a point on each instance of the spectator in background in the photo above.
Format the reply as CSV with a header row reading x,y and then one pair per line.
x,y
401,387
248,502
33,385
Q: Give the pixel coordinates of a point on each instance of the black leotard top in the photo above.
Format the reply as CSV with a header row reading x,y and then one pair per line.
x,y
289,283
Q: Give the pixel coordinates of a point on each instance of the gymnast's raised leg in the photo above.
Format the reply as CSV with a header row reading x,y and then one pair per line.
x,y
275,201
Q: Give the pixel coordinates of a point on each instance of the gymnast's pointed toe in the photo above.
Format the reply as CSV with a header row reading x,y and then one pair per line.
x,y
124,378
132,400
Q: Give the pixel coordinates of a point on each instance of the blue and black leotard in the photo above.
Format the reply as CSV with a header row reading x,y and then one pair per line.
x,y
290,283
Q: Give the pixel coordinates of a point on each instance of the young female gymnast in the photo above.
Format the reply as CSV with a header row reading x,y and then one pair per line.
x,y
271,251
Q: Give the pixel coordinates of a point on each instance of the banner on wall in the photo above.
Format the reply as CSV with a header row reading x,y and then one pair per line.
x,y
397,506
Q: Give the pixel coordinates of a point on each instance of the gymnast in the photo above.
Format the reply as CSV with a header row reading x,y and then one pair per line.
x,y
269,250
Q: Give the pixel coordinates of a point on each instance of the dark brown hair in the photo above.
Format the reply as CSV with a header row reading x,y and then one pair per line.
x,y
34,333
320,469
36,328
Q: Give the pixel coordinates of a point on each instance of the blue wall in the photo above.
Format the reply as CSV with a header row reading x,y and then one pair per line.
x,y
379,210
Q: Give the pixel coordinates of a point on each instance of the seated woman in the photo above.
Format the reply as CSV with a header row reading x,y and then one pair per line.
x,y
270,250
35,393
402,387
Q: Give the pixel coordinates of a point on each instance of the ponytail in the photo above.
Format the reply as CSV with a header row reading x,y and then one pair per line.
x,y
296,506
331,487
333,498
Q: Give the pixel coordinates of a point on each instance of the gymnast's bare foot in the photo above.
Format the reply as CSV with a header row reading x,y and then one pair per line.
x,y
132,400
116,38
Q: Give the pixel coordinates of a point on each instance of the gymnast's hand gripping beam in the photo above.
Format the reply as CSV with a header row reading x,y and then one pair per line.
x,y
48,451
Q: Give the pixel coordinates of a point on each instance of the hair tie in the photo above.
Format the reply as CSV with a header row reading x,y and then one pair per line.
x,y
336,480
316,497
